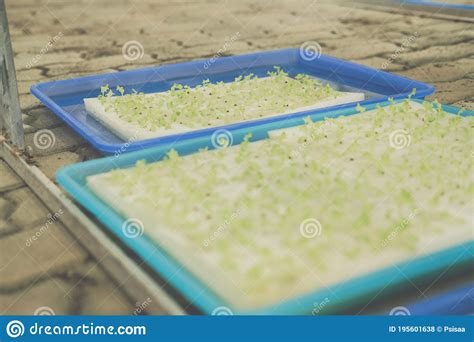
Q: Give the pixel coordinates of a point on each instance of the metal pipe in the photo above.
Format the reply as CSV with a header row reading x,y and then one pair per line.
x,y
10,112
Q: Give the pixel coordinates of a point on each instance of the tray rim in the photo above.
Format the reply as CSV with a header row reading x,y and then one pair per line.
x,y
349,292
39,90
438,4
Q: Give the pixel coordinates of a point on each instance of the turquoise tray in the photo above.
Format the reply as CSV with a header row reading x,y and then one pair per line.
x,y
342,296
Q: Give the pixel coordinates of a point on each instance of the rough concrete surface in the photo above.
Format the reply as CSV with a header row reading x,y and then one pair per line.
x,y
55,271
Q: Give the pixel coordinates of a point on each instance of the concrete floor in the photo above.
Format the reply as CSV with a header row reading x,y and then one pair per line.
x,y
54,271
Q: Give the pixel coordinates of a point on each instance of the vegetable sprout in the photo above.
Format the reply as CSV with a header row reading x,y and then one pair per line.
x,y
237,212
210,104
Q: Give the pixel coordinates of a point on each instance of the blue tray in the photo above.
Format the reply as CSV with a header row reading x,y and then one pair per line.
x,y
457,301
65,98
438,4
73,179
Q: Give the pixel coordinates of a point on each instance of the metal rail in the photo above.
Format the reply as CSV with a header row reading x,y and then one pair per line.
x,y
441,11
125,270
11,123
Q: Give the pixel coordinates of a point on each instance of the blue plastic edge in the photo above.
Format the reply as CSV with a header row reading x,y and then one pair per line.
x,y
456,301
423,90
437,4
350,292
